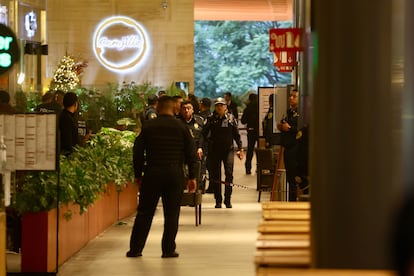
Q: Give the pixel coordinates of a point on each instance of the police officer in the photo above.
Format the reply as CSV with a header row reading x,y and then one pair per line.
x,y
195,124
221,129
160,152
151,109
289,128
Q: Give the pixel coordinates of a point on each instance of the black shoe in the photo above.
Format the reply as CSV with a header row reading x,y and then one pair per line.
x,y
248,172
228,205
218,205
132,254
170,255
209,191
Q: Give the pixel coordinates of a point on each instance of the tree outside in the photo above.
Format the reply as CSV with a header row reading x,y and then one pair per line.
x,y
234,56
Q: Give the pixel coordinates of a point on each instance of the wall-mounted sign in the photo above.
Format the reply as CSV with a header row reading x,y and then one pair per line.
x,y
285,39
9,49
30,24
120,44
4,15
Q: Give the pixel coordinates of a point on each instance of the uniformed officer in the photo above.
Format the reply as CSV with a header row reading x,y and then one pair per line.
x,y
160,152
289,128
195,124
220,130
151,109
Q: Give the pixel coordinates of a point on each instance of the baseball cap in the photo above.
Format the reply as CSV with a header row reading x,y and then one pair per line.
x,y
220,100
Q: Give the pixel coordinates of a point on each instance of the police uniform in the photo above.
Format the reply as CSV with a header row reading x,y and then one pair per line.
x,y
289,142
160,152
195,125
220,132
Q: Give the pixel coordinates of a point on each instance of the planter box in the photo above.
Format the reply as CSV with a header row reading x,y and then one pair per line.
x,y
39,229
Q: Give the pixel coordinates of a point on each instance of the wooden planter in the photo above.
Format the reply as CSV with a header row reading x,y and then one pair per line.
x,y
39,229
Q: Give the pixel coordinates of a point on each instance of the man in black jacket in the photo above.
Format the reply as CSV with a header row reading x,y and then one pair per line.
x,y
160,151
250,118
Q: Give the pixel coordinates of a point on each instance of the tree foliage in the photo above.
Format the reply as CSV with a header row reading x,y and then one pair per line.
x,y
234,56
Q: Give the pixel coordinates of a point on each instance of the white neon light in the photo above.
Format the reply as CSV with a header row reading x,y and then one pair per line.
x,y
134,44
30,24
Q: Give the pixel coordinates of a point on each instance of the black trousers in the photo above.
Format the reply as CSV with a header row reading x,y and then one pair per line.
x,y
251,142
167,183
218,156
291,165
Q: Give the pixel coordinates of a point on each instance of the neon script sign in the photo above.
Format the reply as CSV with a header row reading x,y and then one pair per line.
x,y
120,44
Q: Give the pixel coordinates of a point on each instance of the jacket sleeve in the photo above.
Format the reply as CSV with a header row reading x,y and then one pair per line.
x,y
139,156
244,116
236,135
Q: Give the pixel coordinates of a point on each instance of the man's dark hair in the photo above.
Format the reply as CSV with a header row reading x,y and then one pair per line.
x,y
227,94
152,99
165,103
186,102
4,97
176,98
206,102
252,97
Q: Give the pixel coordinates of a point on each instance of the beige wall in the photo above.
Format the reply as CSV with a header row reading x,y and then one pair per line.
x,y
71,24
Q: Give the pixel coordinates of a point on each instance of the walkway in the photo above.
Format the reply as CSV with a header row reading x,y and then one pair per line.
x,y
224,244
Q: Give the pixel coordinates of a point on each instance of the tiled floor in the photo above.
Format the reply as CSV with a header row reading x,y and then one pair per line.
x,y
224,244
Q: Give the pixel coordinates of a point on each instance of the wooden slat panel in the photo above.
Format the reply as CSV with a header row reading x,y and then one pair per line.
x,y
281,205
286,244
268,271
286,215
282,257
288,229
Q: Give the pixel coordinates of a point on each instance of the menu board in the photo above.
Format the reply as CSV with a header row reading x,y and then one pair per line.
x,y
30,141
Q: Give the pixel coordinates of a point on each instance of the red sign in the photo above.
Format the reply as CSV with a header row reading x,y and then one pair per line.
x,y
285,40
284,58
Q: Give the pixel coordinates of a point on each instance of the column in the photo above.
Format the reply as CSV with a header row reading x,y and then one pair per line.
x,y
355,145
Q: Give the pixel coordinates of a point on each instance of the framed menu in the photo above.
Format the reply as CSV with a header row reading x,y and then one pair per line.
x,y
30,141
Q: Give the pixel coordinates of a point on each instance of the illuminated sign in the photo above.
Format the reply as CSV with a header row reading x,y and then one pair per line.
x,y
30,24
120,44
4,15
9,49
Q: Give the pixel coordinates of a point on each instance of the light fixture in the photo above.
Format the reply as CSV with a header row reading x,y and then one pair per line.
x,y
164,4
20,78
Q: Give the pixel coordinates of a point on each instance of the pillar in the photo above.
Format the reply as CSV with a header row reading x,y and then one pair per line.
x,y
355,144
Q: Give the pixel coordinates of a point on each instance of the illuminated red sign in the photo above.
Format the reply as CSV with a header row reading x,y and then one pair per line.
x,y
285,40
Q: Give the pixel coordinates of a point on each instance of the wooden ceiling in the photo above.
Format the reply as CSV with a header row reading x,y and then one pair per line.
x,y
243,10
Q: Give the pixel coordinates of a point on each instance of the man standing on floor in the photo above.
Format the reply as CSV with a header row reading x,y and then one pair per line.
x,y
160,151
289,128
195,124
221,129
250,118
231,105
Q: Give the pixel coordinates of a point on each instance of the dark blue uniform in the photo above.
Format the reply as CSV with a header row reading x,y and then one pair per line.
x,y
220,133
289,142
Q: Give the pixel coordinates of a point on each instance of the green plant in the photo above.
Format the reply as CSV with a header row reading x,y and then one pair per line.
x,y
84,175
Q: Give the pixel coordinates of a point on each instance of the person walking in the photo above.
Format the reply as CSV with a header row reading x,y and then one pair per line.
x,y
159,154
231,105
250,118
221,129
